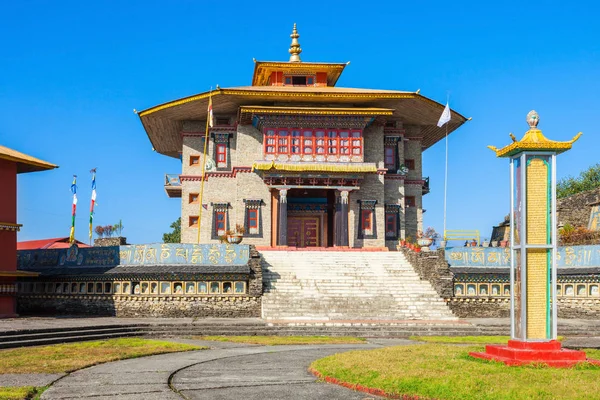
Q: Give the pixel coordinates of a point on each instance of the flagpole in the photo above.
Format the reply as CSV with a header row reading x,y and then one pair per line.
x,y
446,182
200,197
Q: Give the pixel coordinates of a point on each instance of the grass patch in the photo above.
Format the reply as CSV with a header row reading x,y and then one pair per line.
x,y
465,339
283,340
446,372
72,356
17,393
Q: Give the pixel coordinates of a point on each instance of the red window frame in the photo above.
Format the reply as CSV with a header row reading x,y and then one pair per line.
x,y
410,201
221,153
366,220
193,198
390,157
410,164
252,219
220,219
296,141
391,224
193,221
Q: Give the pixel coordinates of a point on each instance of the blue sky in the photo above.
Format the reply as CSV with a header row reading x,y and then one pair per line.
x,y
72,72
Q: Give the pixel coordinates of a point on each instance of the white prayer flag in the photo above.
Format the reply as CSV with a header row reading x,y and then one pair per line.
x,y
210,112
445,117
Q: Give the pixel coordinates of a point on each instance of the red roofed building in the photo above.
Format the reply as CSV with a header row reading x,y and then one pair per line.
x,y
55,243
12,163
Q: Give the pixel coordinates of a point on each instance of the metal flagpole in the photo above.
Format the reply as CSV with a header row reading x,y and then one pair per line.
x,y
446,182
208,122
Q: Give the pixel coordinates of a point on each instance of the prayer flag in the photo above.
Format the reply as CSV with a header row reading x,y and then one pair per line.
x,y
93,202
74,209
210,112
445,117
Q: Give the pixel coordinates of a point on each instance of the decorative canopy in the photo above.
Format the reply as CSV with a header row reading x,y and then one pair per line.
x,y
533,140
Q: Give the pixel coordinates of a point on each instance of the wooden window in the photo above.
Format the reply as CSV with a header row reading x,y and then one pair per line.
x,y
194,161
202,287
253,221
409,201
190,288
193,198
310,142
221,155
193,222
310,80
288,80
270,141
390,158
240,287
367,221
299,80
410,164
391,225
220,222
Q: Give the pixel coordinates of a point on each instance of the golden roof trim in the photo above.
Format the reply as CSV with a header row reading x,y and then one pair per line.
x,y
533,140
314,167
304,65
271,93
316,111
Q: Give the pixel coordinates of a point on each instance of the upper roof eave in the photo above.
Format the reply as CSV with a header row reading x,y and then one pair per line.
x,y
25,163
165,120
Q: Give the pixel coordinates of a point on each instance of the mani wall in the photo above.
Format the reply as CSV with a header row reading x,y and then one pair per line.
x,y
481,283
152,280
578,210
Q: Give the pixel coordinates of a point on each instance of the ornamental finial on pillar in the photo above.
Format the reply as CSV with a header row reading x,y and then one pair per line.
x,y
295,49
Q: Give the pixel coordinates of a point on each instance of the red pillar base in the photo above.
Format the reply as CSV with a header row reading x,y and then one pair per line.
x,y
523,353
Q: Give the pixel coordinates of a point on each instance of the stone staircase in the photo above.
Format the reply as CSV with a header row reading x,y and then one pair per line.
x,y
328,285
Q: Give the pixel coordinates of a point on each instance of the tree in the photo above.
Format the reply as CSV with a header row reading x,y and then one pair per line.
x,y
175,235
587,180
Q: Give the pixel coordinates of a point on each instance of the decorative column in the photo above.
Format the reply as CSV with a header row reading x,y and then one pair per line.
x,y
533,245
282,217
341,229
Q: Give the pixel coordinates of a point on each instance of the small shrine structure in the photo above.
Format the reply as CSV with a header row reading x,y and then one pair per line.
x,y
533,246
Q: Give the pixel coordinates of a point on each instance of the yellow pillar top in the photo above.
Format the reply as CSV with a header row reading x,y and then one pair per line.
x,y
533,140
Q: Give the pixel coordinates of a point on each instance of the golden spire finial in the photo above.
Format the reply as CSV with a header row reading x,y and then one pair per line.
x,y
295,49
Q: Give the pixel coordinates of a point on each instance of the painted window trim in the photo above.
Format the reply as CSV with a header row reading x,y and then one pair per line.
x,y
283,144
219,208
367,205
253,204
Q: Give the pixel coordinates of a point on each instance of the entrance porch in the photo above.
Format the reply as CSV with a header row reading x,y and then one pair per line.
x,y
307,217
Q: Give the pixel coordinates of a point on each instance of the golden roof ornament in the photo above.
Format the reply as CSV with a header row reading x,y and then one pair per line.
x,y
533,140
295,49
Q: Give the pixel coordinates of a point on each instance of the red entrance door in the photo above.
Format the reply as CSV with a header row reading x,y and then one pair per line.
x,y
304,231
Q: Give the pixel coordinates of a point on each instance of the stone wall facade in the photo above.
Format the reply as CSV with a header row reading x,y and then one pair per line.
x,y
136,306
237,182
110,241
576,210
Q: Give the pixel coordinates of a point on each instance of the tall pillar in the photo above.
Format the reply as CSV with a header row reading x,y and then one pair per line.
x,y
342,220
282,218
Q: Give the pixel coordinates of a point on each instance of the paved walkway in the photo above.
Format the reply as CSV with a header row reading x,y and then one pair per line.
x,y
227,371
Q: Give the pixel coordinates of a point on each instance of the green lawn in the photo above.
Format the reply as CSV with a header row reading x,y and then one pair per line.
x,y
72,356
446,372
465,339
283,340
17,393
